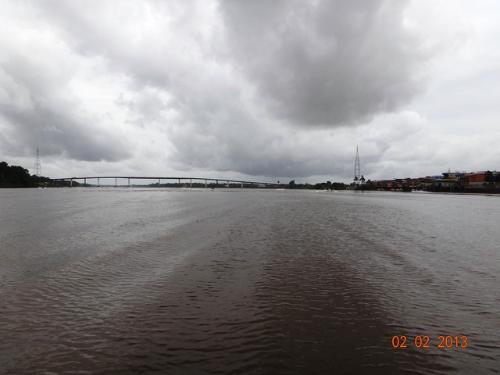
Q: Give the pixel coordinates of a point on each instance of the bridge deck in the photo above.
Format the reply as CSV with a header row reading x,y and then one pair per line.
x,y
159,178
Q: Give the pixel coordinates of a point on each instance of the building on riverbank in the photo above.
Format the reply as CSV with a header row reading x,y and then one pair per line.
x,y
465,182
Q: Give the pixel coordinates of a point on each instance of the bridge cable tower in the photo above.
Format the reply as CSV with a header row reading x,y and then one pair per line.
x,y
38,163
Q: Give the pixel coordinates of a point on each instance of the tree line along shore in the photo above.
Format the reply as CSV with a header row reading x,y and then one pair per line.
x,y
14,176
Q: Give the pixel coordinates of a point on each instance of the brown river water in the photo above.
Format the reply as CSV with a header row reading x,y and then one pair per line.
x,y
234,281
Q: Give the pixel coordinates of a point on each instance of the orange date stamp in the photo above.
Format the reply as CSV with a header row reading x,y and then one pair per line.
x,y
425,342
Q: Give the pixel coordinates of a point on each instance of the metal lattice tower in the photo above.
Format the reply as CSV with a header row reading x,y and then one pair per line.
x,y
38,163
357,167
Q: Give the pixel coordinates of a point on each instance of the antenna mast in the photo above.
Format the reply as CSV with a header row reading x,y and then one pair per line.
x,y
38,163
357,168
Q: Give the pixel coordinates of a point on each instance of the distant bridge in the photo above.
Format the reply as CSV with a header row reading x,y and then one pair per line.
x,y
179,180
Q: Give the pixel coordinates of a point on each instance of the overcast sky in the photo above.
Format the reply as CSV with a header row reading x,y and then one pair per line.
x,y
250,89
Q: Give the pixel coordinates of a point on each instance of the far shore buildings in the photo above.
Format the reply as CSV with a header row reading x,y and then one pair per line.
x,y
484,181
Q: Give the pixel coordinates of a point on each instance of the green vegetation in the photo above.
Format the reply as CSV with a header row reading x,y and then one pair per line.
x,y
14,176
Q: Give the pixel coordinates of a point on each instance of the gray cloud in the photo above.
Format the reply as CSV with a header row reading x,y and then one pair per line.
x,y
39,107
326,62
58,133
54,124
313,64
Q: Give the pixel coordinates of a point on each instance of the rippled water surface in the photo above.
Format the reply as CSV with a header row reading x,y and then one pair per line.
x,y
246,281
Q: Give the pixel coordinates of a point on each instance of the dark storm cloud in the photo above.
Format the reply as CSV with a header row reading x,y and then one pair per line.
x,y
325,62
314,64
57,133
